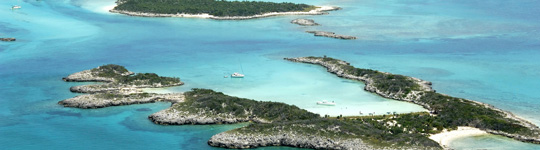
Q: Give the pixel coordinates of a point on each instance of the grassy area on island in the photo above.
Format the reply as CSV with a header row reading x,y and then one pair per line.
x,y
373,130
212,7
122,76
211,103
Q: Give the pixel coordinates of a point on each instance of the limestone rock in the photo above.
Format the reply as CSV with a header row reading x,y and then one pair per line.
x,y
305,22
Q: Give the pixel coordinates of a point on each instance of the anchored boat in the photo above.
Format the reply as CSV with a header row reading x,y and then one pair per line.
x,y
237,75
324,102
15,7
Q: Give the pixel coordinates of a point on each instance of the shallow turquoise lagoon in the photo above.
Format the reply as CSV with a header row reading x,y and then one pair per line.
x,y
484,51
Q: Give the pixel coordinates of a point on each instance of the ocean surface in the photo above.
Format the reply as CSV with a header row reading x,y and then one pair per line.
x,y
486,51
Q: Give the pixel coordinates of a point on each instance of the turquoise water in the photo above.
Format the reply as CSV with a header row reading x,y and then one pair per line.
x,y
485,51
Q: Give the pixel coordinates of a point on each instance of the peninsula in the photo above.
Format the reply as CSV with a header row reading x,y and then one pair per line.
x,y
448,111
121,87
215,9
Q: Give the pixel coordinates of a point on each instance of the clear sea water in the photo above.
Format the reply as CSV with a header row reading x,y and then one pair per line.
x,y
481,50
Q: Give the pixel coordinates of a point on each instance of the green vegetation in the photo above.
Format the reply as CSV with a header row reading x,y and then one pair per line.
x,y
217,103
453,112
388,83
148,79
117,96
212,7
377,133
110,71
120,74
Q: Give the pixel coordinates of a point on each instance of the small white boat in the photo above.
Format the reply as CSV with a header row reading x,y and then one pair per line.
x,y
237,75
16,7
324,102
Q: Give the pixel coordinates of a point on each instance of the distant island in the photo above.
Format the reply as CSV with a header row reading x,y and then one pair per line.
x,y
215,9
280,124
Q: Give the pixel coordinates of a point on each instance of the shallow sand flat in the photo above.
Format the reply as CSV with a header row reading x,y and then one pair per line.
x,y
444,138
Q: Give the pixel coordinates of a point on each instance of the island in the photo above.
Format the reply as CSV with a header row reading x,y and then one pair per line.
x,y
121,87
448,112
8,39
331,35
215,9
280,124
304,22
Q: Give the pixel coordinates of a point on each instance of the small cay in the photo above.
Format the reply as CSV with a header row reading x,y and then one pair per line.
x,y
304,22
213,9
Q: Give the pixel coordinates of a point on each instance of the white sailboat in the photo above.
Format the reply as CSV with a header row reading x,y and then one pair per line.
x,y
327,103
238,75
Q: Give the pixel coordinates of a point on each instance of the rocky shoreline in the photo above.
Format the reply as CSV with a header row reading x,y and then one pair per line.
x,y
93,101
171,116
331,35
234,140
304,22
414,96
90,76
323,10
8,39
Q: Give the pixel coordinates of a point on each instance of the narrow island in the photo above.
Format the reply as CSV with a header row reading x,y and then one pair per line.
x,y
280,124
215,9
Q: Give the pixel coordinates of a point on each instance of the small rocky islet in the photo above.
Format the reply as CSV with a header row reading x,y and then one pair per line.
x,y
304,22
8,39
279,124
311,22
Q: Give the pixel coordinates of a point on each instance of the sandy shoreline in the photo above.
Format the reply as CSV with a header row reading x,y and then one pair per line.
x,y
321,10
108,8
444,138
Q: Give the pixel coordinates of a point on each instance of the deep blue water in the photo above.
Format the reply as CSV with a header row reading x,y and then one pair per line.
x,y
482,50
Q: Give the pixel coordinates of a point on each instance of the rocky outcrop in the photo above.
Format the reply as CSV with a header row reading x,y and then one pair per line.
x,y
174,116
529,139
331,35
8,39
304,22
101,100
115,87
91,76
318,11
235,140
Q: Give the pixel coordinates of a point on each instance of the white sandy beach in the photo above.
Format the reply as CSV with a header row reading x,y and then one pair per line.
x,y
444,138
108,8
